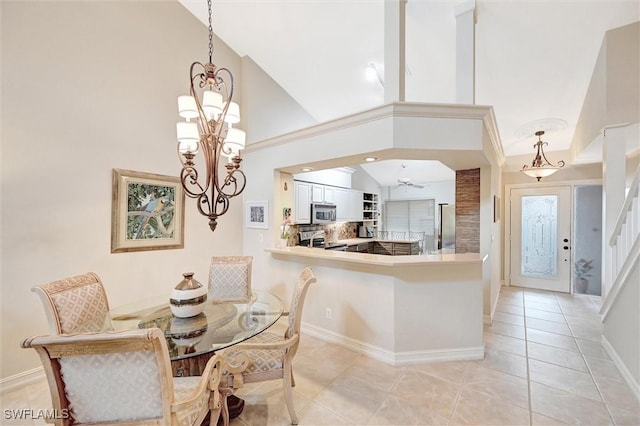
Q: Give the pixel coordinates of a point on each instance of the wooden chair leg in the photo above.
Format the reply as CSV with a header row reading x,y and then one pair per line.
x,y
288,397
224,407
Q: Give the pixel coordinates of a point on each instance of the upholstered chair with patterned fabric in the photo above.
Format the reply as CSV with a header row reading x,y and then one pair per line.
x,y
269,356
230,279
124,378
75,304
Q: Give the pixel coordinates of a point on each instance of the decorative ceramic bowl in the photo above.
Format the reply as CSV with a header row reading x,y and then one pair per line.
x,y
188,298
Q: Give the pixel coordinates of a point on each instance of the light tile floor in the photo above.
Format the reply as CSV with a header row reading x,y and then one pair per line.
x,y
543,365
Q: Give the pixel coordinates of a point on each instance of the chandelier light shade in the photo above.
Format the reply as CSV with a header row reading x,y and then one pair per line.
x,y
540,166
209,114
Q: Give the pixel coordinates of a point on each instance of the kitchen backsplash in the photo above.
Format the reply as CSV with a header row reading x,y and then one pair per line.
x,y
341,231
333,232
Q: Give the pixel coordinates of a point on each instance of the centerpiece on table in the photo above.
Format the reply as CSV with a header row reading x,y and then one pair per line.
x,y
188,297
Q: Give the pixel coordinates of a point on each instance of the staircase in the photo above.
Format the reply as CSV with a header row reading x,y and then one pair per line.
x,y
621,304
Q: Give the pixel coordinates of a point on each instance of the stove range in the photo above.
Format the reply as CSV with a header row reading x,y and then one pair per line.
x,y
316,239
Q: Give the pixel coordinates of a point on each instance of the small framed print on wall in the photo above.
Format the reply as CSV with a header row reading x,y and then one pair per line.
x,y
257,215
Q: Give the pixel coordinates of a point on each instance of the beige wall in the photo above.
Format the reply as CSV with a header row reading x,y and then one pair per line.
x,y
86,87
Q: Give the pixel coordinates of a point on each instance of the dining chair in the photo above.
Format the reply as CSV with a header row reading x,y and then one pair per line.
x,y
230,279
124,378
75,304
269,356
421,237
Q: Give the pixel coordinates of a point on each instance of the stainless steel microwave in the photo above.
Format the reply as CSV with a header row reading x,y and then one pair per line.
x,y
323,213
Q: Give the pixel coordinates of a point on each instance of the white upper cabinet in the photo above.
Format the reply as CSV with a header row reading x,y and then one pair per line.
x,y
302,196
343,204
355,205
348,201
322,194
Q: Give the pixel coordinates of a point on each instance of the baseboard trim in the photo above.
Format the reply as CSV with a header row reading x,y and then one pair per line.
x,y
394,358
20,380
487,320
624,371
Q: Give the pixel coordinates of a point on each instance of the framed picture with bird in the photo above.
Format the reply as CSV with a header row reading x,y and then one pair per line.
x,y
147,212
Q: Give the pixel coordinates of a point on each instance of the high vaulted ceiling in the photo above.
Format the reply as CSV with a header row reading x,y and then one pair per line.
x,y
534,59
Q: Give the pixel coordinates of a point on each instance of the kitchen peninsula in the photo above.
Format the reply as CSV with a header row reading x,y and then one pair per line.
x,y
398,309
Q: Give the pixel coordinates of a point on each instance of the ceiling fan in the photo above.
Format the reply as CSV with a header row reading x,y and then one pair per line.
x,y
407,182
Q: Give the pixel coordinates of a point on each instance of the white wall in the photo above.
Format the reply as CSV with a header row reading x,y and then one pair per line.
x,y
88,87
363,181
621,333
272,111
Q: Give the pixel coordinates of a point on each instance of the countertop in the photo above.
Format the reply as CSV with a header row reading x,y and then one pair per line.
x,y
354,241
380,259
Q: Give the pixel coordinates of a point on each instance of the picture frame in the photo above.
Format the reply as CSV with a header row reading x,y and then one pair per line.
x,y
147,212
257,214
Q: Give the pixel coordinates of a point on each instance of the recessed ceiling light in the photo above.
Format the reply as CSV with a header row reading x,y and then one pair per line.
x,y
369,159
306,169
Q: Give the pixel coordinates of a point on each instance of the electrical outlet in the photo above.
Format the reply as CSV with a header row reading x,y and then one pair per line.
x,y
328,313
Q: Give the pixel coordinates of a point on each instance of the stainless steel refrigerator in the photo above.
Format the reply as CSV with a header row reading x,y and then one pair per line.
x,y
447,227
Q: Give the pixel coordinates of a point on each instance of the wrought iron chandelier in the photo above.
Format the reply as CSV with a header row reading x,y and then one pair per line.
x,y
538,168
210,105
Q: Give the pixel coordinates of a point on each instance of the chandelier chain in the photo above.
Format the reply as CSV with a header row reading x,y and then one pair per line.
x,y
210,34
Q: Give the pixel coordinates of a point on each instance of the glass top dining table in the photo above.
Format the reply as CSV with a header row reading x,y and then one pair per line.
x,y
219,326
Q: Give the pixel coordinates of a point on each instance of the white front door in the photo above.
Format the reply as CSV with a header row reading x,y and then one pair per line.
x,y
541,238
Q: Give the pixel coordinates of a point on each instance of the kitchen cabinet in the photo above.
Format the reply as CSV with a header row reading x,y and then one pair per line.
x,y
343,204
360,247
396,248
349,202
322,194
302,202
355,205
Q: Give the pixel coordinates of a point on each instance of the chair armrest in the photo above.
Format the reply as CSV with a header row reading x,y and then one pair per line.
x,y
236,367
210,379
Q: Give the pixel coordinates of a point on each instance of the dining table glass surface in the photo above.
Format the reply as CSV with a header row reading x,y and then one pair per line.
x,y
220,325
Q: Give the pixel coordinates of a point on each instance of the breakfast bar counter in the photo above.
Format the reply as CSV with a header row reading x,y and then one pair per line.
x,y
398,309
380,259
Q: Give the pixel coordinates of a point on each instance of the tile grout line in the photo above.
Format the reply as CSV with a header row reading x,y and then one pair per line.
x,y
526,353
584,359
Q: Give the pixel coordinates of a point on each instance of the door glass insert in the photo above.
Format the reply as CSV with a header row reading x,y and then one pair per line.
x,y
587,247
539,236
